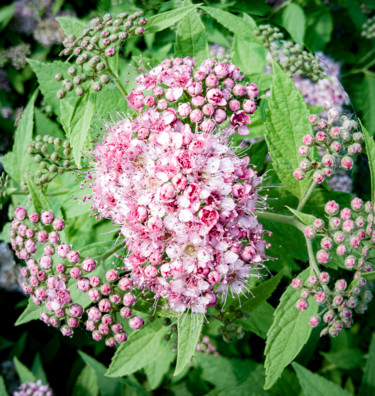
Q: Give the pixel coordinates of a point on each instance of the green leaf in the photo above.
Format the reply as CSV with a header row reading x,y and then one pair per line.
x,y
23,372
31,312
368,380
45,73
6,14
370,149
107,386
141,348
346,359
80,124
191,38
223,372
37,369
260,320
40,202
3,389
156,370
288,334
189,332
45,126
163,21
235,24
294,22
260,294
315,385
87,383
304,217
365,97
319,32
249,56
71,25
286,124
17,162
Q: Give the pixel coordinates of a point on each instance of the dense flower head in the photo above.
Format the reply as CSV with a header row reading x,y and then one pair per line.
x,y
184,200
207,97
33,388
337,140
349,232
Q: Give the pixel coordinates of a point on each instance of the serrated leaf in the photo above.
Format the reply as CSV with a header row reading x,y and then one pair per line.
x,y
365,97
346,359
164,20
248,55
370,149
6,14
318,32
260,293
141,348
45,73
40,202
286,124
191,38
87,383
294,22
235,24
18,161
260,320
315,385
31,312
304,217
80,124
156,370
189,332
71,25
23,372
368,380
288,334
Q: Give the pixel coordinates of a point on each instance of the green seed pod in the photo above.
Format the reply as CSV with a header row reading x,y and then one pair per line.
x,y
72,71
79,91
71,38
96,86
66,164
60,171
50,140
94,39
67,152
122,15
123,36
38,145
107,17
53,168
43,165
38,173
83,77
57,142
105,78
60,94
68,86
100,66
55,156
115,29
44,179
77,80
38,158
45,138
38,138
113,38
127,25
30,150
44,149
66,144
58,76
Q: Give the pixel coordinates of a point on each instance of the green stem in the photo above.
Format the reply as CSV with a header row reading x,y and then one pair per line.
x,y
307,196
116,79
291,220
109,253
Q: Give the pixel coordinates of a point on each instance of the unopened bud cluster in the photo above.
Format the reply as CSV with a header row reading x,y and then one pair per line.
x,y
350,233
338,141
231,330
291,57
93,48
206,346
53,155
368,28
53,268
33,388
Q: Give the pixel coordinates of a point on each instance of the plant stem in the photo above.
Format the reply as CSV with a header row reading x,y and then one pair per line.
x,y
109,253
116,79
307,196
291,220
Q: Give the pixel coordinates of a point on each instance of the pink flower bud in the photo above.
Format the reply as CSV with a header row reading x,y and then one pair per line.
x,y
30,246
212,81
320,298
196,116
111,275
66,331
234,105
34,217
104,305
326,243
49,250
334,223
321,137
53,237
120,337
73,257
312,280
83,285
207,126
318,177
340,285
88,264
184,109
128,299
331,208
319,224
310,232
94,295
76,310
308,140
299,174
46,217
249,106
149,101
199,76
106,289
150,272
220,116
63,250
313,119
356,204
125,284
45,262
348,226
75,273
302,305
208,110
96,335
305,294
125,312
324,278
347,163
252,91
58,224
297,283
42,236
194,88
95,281
20,213
314,321
136,322
322,256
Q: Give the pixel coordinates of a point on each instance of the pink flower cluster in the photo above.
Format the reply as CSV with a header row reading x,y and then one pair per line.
x,y
325,89
337,141
351,232
209,97
184,199
33,388
206,346
50,279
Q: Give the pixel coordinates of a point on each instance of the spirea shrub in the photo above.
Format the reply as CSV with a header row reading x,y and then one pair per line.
x,y
142,215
